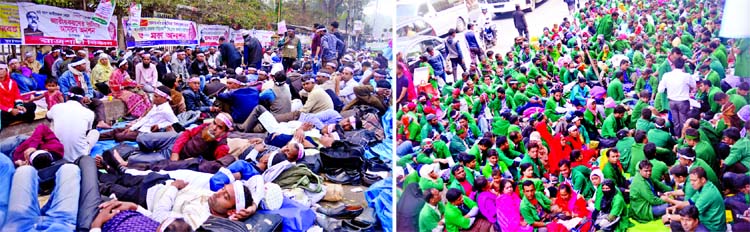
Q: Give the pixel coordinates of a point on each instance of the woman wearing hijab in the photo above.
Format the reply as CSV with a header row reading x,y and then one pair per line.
x,y
596,178
611,213
429,178
408,207
509,215
102,71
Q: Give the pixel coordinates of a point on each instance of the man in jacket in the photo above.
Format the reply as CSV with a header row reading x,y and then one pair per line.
x,y
291,49
253,52
519,20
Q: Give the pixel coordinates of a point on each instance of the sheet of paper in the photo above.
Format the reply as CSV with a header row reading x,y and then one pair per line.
x,y
421,76
269,122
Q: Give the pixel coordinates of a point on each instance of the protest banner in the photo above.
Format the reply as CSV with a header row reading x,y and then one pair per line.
x,y
134,15
10,30
210,34
161,32
236,38
104,12
48,25
265,37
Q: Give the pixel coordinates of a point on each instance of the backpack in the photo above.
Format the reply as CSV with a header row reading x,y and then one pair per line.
x,y
343,154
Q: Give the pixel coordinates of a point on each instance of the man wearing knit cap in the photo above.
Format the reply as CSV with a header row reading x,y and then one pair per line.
x,y
76,76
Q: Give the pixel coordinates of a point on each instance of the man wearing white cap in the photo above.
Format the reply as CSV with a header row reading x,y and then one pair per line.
x,y
241,99
61,64
214,57
330,47
195,99
179,65
76,77
146,74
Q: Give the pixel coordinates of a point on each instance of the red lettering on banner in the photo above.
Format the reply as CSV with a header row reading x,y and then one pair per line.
x,y
9,28
157,35
69,29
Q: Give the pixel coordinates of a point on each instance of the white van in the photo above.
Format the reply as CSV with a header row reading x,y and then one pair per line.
x,y
442,14
505,6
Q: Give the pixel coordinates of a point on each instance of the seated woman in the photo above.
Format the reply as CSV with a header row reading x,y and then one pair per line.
x,y
573,205
485,200
12,108
509,216
125,89
611,213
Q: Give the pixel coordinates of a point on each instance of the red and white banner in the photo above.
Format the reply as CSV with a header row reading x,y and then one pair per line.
x,y
48,25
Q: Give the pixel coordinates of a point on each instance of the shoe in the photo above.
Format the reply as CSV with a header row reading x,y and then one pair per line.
x,y
367,216
342,176
327,223
355,225
342,211
113,165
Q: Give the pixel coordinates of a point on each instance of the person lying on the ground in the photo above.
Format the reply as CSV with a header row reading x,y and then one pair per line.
x,y
207,141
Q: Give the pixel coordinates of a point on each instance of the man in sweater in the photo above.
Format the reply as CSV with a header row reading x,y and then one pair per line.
x,y
317,99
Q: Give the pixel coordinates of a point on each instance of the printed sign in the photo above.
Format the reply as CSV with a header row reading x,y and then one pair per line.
x,y
210,34
10,29
134,15
104,12
161,32
48,25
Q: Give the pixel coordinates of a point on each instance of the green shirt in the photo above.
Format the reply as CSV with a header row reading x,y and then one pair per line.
x,y
615,91
740,152
642,197
429,217
610,126
454,219
711,208
529,211
624,146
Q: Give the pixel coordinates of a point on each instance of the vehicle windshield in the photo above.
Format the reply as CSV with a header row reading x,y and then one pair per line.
x,y
406,10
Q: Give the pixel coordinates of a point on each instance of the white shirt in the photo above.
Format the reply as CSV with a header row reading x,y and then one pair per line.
x,y
159,115
677,83
71,122
347,90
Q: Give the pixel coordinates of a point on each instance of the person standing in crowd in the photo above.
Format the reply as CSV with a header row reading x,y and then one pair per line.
x,y
253,51
677,84
519,20
291,49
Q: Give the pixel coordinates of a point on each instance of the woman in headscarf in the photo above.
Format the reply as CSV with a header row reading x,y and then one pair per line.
x,y
570,204
125,89
596,178
429,178
408,207
509,215
611,213
485,200
103,70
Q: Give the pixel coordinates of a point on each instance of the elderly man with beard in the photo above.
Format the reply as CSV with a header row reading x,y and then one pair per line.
x,y
76,76
207,141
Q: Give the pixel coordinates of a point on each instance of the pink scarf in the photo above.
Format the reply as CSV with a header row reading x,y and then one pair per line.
x,y
509,216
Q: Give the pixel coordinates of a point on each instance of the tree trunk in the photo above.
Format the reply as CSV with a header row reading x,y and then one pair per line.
x,y
304,6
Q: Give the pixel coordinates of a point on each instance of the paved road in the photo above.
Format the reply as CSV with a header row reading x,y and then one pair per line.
x,y
546,14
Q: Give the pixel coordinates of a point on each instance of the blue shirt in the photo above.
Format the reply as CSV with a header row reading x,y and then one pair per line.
x,y
321,119
471,39
242,101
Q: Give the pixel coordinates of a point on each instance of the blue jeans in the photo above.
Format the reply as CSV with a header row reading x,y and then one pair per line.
x,y
154,147
8,145
61,211
6,171
404,148
659,210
